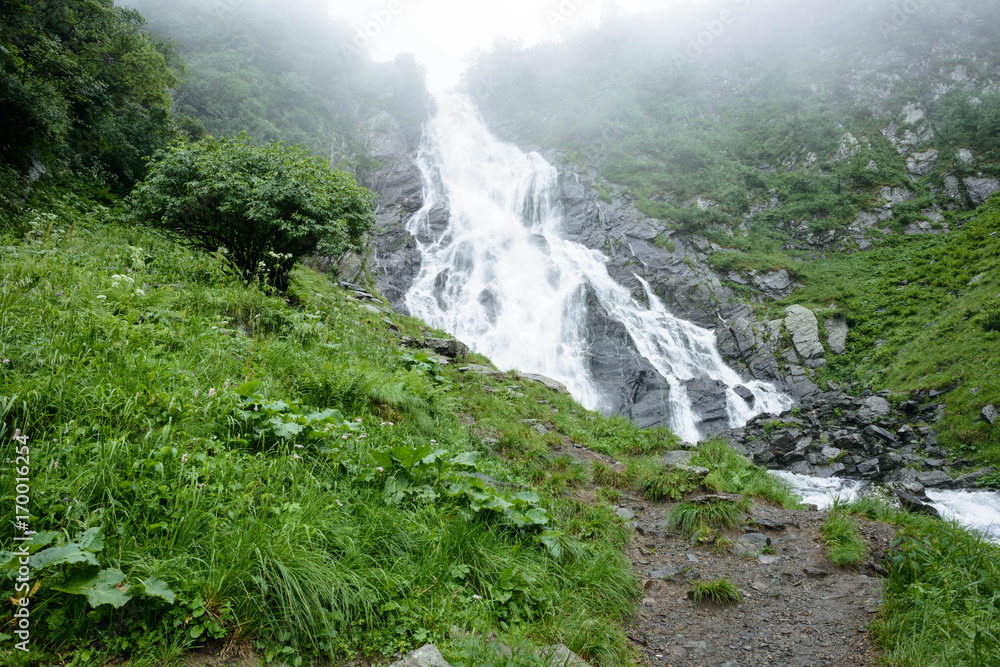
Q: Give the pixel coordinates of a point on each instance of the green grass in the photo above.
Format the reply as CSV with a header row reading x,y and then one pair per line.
x,y
941,604
323,509
731,472
720,591
933,301
848,548
690,518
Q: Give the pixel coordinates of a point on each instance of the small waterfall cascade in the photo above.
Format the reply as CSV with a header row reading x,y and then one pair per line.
x,y
500,276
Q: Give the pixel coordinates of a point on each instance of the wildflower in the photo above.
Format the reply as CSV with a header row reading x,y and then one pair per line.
x,y
101,296
477,597
23,439
296,456
55,464
343,437
65,500
211,392
140,292
196,393
226,388
200,485
184,458
299,446
433,442
358,420
6,361
339,503
380,469
137,396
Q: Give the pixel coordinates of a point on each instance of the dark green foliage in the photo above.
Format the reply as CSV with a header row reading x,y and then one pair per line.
x,y
267,206
284,73
689,518
82,84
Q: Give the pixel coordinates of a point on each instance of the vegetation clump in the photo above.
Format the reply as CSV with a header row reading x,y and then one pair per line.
x,y
263,207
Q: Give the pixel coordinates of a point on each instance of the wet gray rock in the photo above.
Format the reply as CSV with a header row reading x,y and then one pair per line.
x,y
750,545
981,189
990,414
836,333
921,163
934,479
803,327
709,400
873,409
425,656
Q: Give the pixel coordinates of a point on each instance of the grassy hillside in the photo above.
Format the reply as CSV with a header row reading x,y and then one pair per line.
x,y
278,472
778,117
925,315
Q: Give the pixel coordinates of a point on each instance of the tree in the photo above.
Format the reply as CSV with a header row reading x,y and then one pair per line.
x,y
81,82
266,206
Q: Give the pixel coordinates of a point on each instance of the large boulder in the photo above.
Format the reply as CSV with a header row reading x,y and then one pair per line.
x,y
981,189
802,325
836,333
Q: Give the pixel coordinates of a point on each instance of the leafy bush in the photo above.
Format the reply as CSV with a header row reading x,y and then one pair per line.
x,y
267,206
690,518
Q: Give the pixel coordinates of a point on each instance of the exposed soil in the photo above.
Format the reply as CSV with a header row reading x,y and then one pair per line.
x,y
798,609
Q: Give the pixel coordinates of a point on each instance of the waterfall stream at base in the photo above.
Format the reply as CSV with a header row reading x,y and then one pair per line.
x,y
979,510
501,278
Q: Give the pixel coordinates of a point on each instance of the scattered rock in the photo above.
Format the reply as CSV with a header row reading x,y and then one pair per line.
x,y
836,333
554,385
750,545
425,656
453,349
873,409
673,574
815,572
558,655
990,414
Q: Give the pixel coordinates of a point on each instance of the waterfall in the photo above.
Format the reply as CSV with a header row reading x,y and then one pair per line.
x,y
501,278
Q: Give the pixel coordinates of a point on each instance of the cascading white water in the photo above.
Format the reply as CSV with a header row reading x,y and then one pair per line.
x,y
979,510
502,279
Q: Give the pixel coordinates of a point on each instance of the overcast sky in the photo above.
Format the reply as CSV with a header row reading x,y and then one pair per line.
x,y
442,33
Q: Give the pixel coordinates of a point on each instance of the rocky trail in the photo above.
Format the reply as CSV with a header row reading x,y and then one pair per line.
x,y
797,608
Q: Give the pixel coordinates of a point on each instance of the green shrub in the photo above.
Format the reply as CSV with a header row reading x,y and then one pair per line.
x,y
265,206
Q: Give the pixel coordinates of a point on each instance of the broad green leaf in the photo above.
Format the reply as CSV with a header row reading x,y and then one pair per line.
x,y
247,389
528,497
537,516
156,588
467,459
91,540
66,554
100,588
287,430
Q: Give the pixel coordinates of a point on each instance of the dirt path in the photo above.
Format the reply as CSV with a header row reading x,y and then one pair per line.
x,y
797,609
